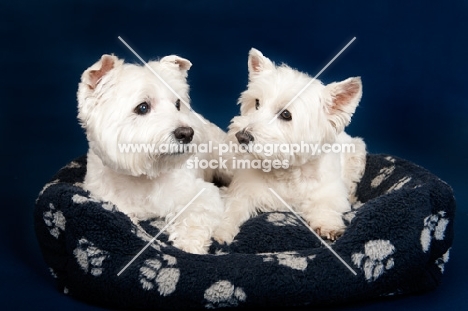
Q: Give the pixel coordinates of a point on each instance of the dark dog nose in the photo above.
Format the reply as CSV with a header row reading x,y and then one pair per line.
x,y
244,137
184,134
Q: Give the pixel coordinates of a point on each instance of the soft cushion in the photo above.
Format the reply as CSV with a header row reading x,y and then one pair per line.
x,y
397,241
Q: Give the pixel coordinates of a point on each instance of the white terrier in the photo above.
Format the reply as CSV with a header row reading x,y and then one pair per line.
x,y
122,104
320,186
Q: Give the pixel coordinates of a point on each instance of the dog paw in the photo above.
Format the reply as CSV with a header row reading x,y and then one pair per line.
x,y
329,226
191,238
329,234
190,246
224,234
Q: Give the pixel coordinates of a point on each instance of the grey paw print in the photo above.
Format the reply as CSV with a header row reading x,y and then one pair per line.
x,y
71,165
161,273
375,259
52,272
384,173
349,216
434,228
399,184
281,219
223,294
54,220
89,257
289,259
440,262
46,186
80,199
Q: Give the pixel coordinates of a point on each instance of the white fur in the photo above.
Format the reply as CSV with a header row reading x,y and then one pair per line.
x,y
146,185
319,187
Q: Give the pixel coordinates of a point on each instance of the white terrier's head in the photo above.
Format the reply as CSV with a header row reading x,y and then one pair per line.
x,y
284,106
121,104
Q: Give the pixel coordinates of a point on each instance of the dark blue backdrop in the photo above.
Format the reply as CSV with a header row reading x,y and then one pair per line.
x,y
411,56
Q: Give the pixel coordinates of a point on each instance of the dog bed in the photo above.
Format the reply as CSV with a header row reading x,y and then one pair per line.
x,y
397,241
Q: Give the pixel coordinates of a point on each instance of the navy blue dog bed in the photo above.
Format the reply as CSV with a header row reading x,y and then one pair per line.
x,y
397,242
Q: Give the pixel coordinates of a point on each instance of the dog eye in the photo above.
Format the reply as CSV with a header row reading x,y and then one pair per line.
x,y
257,103
177,104
285,115
142,108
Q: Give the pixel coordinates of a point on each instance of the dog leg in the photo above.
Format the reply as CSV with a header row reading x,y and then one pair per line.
x,y
324,208
190,236
353,164
193,229
237,212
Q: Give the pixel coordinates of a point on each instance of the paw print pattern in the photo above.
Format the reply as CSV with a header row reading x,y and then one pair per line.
x,y
440,262
161,273
89,257
434,228
141,233
281,219
375,259
52,272
109,207
54,220
349,216
47,186
384,173
71,165
80,199
223,294
290,259
158,224
403,181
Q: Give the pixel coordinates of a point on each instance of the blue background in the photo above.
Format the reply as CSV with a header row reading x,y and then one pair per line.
x,y
411,56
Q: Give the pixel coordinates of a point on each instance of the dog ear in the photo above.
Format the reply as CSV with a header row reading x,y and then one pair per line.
x,y
258,63
344,98
179,63
94,74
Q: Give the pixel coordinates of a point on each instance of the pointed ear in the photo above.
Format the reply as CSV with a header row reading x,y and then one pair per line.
x,y
258,63
179,63
344,98
93,75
